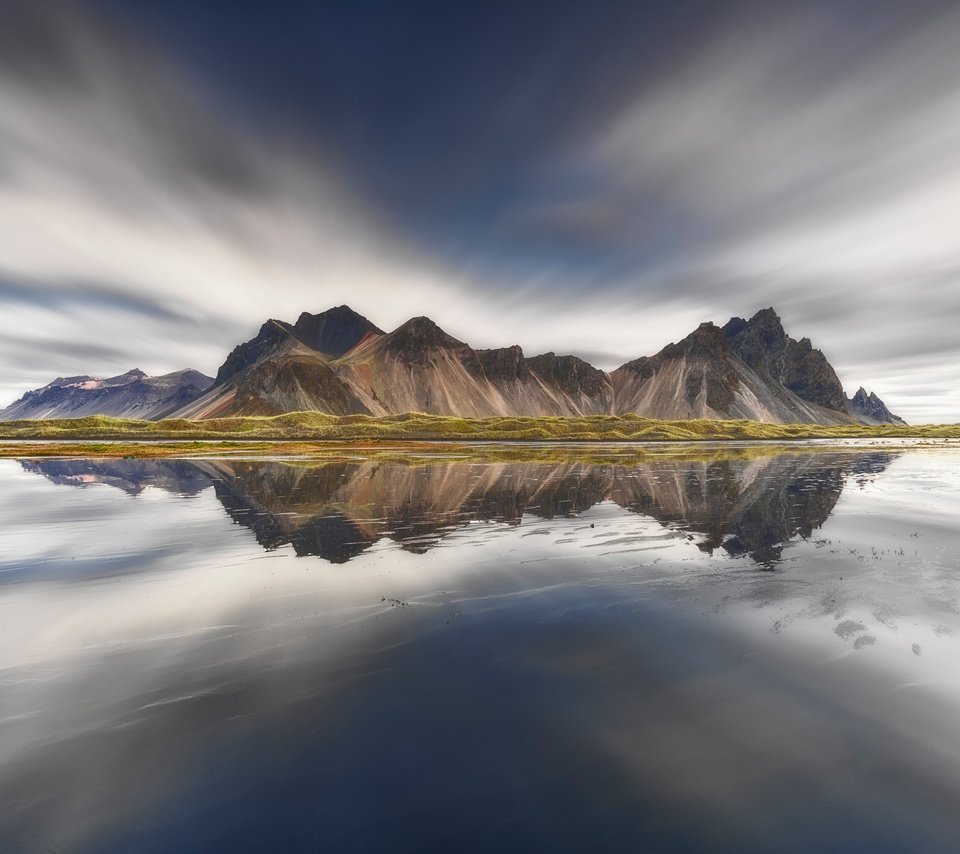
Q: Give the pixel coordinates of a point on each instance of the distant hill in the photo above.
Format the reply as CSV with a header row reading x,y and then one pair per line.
x,y
130,395
869,409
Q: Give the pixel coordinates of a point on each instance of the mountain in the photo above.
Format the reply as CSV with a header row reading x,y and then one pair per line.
x,y
417,367
338,362
130,395
869,409
747,369
332,332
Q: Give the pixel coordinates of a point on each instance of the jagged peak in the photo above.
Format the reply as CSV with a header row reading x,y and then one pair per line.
x,y
765,315
337,312
707,336
764,322
562,359
423,330
413,341
272,325
335,331
868,406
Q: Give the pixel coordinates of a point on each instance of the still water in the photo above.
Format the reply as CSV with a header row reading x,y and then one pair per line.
x,y
741,649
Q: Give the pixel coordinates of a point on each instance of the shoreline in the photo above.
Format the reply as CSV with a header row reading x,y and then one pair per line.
x,y
318,449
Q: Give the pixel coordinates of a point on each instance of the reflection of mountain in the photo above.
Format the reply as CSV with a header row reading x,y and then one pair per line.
x,y
337,510
132,476
744,505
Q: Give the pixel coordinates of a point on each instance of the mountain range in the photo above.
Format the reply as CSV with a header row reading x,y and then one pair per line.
x,y
338,362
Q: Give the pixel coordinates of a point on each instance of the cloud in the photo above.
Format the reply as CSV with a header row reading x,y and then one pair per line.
x,y
63,297
614,178
116,170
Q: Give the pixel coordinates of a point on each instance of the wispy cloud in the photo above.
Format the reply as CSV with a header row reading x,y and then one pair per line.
x,y
617,177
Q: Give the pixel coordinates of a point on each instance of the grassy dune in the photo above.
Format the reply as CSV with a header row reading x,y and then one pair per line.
x,y
314,426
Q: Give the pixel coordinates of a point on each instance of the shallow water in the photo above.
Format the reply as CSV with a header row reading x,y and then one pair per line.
x,y
755,651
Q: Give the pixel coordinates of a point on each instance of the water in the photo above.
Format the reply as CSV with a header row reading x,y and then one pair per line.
x,y
744,649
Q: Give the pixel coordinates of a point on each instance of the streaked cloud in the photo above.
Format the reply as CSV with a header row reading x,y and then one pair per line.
x,y
595,179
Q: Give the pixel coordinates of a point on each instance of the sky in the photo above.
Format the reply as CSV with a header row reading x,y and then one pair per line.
x,y
593,177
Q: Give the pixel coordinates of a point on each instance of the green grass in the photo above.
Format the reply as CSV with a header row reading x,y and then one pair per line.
x,y
315,426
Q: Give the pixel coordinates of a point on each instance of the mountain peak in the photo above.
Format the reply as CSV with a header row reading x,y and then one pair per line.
x,y
706,340
413,340
765,315
424,330
869,408
334,331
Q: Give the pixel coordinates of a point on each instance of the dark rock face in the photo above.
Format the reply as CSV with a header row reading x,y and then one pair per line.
x,y
334,331
711,372
272,334
501,365
718,374
415,341
569,373
808,374
279,385
763,345
872,410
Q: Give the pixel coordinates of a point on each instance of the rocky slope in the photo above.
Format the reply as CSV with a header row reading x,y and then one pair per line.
x,y
417,367
748,369
869,409
130,395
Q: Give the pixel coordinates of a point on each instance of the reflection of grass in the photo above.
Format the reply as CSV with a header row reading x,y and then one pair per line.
x,y
413,426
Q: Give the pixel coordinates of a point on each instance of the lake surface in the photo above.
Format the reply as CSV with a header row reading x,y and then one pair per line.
x,y
713,649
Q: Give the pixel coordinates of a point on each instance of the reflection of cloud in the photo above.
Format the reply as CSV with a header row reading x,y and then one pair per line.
x,y
200,221
553,647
